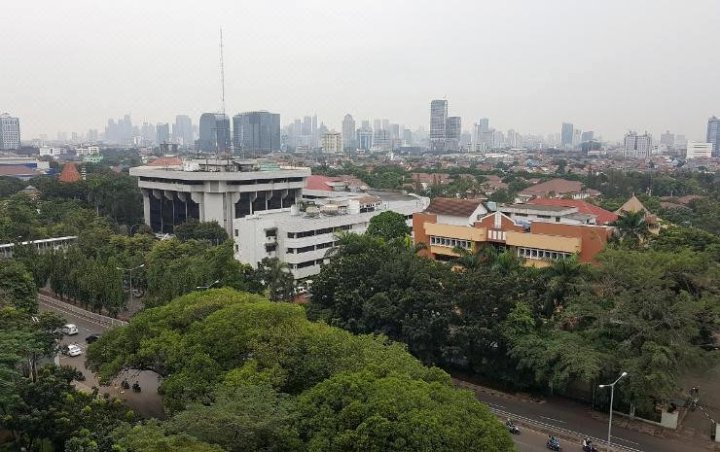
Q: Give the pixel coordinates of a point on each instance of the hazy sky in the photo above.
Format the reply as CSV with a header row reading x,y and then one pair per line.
x,y
607,65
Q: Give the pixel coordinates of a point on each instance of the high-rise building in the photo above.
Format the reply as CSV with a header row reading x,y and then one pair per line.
x,y
92,135
183,132
586,136
332,142
9,132
214,133
163,133
348,132
697,150
713,135
453,131
438,123
638,146
668,139
256,132
364,136
566,135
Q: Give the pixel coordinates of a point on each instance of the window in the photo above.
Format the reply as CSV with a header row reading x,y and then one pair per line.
x,y
236,232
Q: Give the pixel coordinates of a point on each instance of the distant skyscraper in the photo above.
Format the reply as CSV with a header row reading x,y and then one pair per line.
x,y
348,132
92,135
256,132
668,139
587,136
453,131
214,133
9,132
566,135
183,132
364,136
713,135
163,133
638,146
438,122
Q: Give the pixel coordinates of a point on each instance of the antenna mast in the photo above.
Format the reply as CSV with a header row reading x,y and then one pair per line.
x,y
222,72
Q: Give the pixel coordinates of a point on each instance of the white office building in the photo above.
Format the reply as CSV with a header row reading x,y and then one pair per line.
x,y
697,150
215,190
303,234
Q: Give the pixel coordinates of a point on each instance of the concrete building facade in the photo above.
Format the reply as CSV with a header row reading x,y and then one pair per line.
x,y
215,190
438,124
302,235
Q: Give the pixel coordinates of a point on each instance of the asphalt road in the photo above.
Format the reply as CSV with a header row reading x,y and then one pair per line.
x,y
531,441
147,403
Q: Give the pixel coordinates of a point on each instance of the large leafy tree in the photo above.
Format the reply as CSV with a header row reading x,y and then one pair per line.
x,y
17,287
196,230
388,225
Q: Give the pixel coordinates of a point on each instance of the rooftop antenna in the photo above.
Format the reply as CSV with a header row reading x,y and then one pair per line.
x,y
222,72
222,98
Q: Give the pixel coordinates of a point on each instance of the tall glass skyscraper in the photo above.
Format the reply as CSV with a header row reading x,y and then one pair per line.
x,y
438,123
214,133
256,132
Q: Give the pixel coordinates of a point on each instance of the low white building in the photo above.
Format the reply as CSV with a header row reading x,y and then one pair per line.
x,y
528,213
697,150
302,235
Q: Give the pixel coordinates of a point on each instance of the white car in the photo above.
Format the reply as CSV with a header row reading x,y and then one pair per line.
x,y
73,350
70,329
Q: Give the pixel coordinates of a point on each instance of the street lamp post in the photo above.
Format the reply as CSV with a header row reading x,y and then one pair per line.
x,y
208,286
130,270
612,397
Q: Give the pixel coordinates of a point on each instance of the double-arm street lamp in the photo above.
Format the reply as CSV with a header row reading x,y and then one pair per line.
x,y
129,271
612,397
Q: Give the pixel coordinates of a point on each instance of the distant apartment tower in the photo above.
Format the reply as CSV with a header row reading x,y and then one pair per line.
x,y
438,124
163,133
214,133
566,135
332,143
256,132
638,146
713,135
348,132
9,132
697,150
183,132
453,132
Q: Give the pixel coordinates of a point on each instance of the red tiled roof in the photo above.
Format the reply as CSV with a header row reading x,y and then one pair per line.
x,y
316,182
602,216
453,206
166,161
557,186
69,173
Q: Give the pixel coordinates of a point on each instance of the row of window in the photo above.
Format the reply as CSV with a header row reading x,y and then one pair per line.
x,y
450,242
299,235
307,249
534,253
306,264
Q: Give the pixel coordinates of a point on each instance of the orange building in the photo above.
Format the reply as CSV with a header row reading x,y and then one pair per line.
x,y
539,243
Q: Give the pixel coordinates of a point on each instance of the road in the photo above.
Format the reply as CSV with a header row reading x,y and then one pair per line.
x,y
147,403
560,415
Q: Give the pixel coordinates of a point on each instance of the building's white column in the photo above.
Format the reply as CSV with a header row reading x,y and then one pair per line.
x,y
146,206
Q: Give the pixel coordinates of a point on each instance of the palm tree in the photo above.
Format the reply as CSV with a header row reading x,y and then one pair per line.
x,y
632,227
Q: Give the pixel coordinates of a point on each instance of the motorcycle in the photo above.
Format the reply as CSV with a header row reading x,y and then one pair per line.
x,y
589,448
553,444
512,428
136,387
125,385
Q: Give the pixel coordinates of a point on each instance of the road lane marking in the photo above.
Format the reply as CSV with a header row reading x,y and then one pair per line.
x,y
552,419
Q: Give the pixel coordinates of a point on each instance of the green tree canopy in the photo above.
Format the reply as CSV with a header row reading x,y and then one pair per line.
x,y
388,225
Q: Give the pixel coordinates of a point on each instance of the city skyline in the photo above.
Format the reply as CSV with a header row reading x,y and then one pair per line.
x,y
559,63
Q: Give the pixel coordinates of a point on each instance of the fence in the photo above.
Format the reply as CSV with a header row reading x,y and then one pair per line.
x,y
84,314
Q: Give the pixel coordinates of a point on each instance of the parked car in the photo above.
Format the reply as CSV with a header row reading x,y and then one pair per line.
x,y
70,329
73,350
92,338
